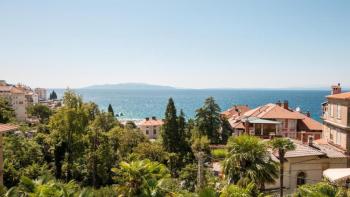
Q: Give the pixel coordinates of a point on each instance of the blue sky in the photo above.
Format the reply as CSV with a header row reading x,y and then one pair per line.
x,y
183,43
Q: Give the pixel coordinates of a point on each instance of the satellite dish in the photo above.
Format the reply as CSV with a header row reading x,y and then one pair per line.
x,y
298,109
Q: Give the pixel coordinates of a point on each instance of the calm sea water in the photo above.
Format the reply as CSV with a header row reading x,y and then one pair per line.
x,y
138,104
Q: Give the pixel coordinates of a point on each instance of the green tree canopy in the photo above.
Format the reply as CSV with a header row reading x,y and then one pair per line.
x,y
140,178
170,134
248,160
208,120
6,112
40,111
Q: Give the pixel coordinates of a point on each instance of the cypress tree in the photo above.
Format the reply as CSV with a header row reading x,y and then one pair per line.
x,y
183,145
170,132
53,95
110,109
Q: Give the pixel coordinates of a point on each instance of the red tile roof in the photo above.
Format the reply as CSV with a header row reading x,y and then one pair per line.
x,y
273,111
235,111
343,96
151,122
7,127
310,123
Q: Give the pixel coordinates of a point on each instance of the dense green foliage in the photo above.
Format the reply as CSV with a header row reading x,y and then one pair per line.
x,y
79,150
6,112
323,189
209,122
40,111
249,161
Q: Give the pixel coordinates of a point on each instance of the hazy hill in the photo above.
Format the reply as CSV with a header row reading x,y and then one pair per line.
x,y
130,86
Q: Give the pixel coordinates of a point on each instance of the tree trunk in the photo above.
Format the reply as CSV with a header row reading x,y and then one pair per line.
x,y
281,157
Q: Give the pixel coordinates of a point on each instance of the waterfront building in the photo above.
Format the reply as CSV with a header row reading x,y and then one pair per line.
x,y
150,127
336,119
276,120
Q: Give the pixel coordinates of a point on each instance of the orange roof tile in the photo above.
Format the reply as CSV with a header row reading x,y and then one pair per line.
x,y
235,111
344,96
310,123
273,111
151,122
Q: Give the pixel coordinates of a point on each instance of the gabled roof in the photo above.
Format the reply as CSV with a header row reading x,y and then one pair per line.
x,y
310,123
236,110
302,150
343,96
273,111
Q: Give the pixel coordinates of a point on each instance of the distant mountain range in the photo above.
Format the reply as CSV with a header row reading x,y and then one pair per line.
x,y
130,86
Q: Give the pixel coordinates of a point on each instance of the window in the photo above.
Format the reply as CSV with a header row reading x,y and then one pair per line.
x,y
338,112
154,132
147,132
301,178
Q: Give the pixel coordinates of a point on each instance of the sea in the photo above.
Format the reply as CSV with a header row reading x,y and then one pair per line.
x,y
138,104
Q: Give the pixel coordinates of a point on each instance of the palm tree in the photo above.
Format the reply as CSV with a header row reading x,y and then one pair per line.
x,y
282,145
44,186
248,160
140,178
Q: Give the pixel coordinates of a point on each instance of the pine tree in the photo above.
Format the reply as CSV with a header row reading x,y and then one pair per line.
x,y
110,109
208,120
170,132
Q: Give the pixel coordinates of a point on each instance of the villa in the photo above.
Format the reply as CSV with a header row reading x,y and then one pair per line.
x,y
276,120
150,127
336,119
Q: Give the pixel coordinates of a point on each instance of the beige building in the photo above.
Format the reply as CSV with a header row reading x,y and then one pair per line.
x,y
336,119
42,94
17,99
150,127
306,164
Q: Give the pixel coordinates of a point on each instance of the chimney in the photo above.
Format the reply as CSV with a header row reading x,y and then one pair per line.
x,y
147,118
285,105
279,103
336,89
308,114
154,118
310,140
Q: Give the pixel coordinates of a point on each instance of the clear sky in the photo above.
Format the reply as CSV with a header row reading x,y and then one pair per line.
x,y
182,43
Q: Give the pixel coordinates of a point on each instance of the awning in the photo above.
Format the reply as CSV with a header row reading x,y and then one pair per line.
x,y
255,120
337,174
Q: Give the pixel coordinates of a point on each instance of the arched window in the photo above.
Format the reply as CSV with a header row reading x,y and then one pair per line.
x,y
301,178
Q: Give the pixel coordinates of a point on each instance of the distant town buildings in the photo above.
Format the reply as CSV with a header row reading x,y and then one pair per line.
x,y
41,92
20,97
273,120
150,127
